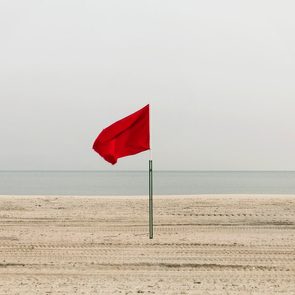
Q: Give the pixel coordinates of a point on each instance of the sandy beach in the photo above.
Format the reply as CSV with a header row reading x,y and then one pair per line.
x,y
219,244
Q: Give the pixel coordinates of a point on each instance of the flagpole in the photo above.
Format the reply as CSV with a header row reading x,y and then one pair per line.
x,y
151,234
151,231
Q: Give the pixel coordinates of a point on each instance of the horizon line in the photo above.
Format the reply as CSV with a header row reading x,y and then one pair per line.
x,y
160,170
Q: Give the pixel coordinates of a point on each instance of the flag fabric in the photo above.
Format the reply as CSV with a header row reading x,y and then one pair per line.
x,y
126,137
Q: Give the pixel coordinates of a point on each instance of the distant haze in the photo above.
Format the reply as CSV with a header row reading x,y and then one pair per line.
x,y
219,74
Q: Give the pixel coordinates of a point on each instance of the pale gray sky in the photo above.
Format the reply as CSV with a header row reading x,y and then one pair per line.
x,y
219,74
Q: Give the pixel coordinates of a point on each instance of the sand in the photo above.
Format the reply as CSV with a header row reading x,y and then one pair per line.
x,y
222,244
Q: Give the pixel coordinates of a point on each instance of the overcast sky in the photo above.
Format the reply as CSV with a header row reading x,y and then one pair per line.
x,y
220,76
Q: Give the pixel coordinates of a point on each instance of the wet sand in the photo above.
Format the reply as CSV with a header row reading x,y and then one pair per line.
x,y
222,244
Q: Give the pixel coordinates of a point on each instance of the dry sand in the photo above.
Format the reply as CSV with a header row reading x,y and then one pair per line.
x,y
94,245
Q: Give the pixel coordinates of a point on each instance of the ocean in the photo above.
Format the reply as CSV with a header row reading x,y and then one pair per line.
x,y
104,183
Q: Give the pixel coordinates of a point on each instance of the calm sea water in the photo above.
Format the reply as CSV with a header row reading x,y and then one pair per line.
x,y
136,183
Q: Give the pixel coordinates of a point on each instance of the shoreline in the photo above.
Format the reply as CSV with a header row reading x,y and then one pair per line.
x,y
211,196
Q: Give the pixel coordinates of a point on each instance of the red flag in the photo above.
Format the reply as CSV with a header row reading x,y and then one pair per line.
x,y
128,136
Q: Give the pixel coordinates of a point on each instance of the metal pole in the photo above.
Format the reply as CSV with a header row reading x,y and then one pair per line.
x,y
151,199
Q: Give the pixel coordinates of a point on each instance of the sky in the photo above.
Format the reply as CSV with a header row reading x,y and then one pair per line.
x,y
219,76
